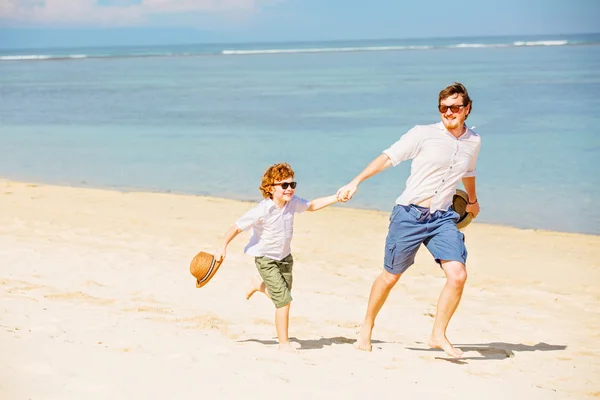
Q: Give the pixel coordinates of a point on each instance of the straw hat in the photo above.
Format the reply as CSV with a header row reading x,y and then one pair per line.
x,y
459,204
204,266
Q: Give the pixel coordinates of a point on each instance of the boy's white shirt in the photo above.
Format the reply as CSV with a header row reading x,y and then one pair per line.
x,y
272,227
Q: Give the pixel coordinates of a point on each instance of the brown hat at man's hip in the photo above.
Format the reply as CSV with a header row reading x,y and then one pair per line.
x,y
459,204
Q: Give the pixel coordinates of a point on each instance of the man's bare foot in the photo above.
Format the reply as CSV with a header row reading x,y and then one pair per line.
x,y
255,285
364,338
443,343
287,348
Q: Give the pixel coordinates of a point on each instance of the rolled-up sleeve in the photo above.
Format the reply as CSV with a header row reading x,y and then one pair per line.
x,y
406,148
250,219
472,171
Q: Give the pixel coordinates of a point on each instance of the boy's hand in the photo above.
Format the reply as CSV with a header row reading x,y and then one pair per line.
x,y
220,254
345,193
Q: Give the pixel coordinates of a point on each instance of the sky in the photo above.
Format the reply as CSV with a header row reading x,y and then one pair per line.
x,y
72,23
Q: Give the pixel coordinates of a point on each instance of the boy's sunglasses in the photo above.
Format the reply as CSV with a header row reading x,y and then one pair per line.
x,y
285,185
455,108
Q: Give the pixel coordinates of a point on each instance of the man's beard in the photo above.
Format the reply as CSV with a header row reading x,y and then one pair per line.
x,y
452,124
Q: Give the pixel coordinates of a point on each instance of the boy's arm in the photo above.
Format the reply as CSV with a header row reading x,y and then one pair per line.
x,y
322,202
248,220
229,236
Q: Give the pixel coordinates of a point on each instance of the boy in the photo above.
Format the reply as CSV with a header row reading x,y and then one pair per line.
x,y
272,223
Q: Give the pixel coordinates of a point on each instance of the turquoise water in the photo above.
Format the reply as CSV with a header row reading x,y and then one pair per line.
x,y
208,119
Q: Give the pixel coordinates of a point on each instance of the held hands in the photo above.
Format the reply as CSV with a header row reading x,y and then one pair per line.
x,y
473,208
345,193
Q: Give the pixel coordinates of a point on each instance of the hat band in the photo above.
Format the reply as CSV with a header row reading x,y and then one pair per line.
x,y
212,266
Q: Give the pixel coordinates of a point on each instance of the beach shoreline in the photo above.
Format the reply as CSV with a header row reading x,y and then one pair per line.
x,y
100,278
250,201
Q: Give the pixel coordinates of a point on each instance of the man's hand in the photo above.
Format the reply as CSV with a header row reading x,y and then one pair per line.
x,y
473,209
345,193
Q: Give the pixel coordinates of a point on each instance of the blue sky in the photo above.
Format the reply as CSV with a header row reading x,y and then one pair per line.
x,y
49,23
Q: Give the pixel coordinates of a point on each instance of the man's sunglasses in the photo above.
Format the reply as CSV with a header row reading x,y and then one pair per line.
x,y
285,185
455,108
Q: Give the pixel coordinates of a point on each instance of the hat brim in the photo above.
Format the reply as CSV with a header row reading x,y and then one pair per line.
x,y
459,205
203,267
464,221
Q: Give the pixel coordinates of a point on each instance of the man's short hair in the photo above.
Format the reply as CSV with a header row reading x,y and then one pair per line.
x,y
456,88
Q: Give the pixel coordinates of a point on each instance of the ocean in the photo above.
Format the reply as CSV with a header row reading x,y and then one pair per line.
x,y
208,119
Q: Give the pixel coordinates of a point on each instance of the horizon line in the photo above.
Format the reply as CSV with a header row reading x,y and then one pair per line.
x,y
262,42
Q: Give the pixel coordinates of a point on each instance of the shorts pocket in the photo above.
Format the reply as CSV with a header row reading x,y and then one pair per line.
x,y
414,212
390,252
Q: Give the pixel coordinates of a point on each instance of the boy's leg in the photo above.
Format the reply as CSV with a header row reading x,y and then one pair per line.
x,y
267,268
277,279
275,276
282,318
282,314
256,285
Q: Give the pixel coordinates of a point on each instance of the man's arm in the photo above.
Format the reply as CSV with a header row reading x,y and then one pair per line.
x,y
322,202
376,166
470,188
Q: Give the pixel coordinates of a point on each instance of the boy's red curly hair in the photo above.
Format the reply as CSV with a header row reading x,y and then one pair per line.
x,y
276,172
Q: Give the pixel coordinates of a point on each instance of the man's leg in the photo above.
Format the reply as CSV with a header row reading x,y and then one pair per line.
x,y
379,292
456,276
401,244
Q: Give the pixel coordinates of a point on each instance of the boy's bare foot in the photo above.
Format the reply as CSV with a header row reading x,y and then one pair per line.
x,y
437,342
287,348
364,338
255,285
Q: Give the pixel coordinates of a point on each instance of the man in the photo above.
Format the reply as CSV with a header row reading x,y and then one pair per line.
x,y
442,154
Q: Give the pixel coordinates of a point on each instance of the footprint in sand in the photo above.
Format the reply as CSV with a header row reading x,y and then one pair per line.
x,y
79,295
345,324
261,321
200,322
206,321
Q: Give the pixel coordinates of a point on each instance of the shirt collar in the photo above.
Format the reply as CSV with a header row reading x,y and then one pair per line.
x,y
440,126
271,206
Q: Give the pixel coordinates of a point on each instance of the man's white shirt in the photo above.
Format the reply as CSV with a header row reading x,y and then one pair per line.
x,y
440,161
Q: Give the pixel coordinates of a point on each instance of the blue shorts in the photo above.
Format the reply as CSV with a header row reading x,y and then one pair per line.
x,y
412,225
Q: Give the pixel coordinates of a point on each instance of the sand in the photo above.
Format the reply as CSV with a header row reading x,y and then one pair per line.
x,y
97,302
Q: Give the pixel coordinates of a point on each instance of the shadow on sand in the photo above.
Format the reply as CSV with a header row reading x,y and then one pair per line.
x,y
491,351
310,344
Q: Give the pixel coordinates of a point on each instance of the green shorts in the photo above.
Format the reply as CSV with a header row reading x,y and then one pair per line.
x,y
277,276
